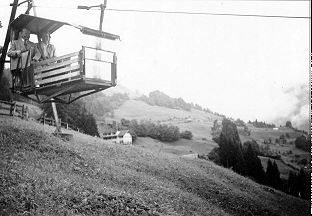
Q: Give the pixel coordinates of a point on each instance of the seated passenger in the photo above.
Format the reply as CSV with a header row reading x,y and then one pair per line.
x,y
44,50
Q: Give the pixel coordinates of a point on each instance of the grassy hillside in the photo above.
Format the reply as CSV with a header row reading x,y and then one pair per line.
x,y
198,122
181,147
43,175
289,153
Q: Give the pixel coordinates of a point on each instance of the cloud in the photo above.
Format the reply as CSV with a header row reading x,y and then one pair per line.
x,y
297,110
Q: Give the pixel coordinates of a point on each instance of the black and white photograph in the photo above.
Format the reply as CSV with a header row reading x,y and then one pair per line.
x,y
155,108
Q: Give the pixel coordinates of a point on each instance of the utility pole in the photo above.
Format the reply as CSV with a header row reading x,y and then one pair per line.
x,y
34,7
7,38
101,6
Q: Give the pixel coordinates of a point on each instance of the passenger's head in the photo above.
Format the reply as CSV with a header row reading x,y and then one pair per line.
x,y
25,34
45,37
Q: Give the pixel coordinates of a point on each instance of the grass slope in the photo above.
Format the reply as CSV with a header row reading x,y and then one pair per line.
x,y
42,175
180,147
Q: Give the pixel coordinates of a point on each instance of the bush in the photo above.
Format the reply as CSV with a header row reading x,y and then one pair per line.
x,y
303,143
186,135
5,92
303,162
214,155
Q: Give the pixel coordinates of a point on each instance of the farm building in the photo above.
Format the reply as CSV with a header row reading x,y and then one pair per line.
x,y
120,137
124,137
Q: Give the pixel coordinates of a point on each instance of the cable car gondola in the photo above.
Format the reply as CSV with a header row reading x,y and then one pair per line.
x,y
63,75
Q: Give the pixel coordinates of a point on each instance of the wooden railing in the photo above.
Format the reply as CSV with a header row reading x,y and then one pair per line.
x,y
57,69
13,109
100,64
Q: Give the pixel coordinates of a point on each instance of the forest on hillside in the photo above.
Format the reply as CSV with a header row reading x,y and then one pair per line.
x,y
158,98
244,160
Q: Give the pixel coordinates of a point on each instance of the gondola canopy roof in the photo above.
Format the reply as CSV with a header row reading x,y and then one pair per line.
x,y
38,25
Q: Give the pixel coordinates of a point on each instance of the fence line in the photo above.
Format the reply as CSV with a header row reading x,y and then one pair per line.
x,y
12,108
51,121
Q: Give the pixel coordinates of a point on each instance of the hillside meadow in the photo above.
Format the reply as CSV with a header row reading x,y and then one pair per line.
x,y
44,175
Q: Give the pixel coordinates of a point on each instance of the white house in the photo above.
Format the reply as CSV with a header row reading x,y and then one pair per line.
x,y
124,137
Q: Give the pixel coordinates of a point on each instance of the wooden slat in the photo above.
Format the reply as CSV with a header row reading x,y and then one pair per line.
x,y
57,78
6,102
55,65
5,108
55,59
55,72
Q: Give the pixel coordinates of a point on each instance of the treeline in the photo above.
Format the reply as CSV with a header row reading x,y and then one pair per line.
x,y
100,104
162,132
260,124
244,160
75,114
158,98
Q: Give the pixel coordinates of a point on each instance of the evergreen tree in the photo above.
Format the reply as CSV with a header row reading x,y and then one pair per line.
x,y
230,147
270,173
277,179
303,184
273,175
253,165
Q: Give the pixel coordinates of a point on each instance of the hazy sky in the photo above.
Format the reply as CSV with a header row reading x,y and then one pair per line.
x,y
247,67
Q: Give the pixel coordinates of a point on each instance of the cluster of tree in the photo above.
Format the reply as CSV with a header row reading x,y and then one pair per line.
x,y
75,114
162,132
298,184
260,124
230,153
273,175
186,135
220,115
239,123
303,143
244,160
158,98
100,104
288,124
5,92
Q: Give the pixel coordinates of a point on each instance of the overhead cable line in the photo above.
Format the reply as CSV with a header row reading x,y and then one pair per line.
x,y
188,12
208,13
